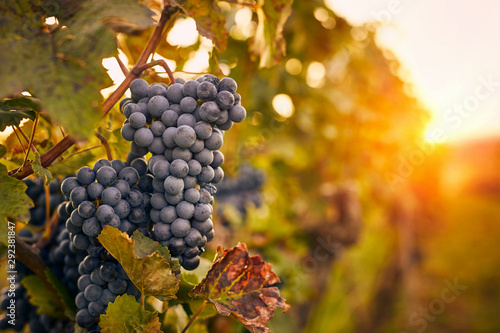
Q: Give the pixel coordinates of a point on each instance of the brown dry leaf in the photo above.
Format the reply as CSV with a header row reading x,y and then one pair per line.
x,y
238,285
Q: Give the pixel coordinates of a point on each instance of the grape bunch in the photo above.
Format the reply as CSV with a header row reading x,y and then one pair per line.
x,y
111,193
241,190
182,126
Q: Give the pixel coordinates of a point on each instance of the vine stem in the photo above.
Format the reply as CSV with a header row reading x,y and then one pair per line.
x,y
244,4
192,319
160,62
19,139
59,148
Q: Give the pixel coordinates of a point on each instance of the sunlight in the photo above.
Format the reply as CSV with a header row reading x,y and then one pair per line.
x,y
183,33
315,74
283,105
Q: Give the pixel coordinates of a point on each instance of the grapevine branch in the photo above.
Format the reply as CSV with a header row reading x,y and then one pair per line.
x,y
194,316
57,150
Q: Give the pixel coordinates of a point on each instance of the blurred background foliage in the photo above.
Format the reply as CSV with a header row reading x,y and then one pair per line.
x,y
363,221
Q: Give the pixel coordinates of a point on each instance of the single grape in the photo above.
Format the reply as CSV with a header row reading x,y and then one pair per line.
x,y
137,120
206,91
140,165
218,175
157,128
190,264
122,209
80,301
203,130
192,195
226,126
118,286
188,104
157,147
68,185
162,232
157,89
122,186
130,175
83,281
135,198
139,89
105,213
157,105
78,195
92,292
86,209
174,93
158,201
173,199
92,227
182,153
225,99
161,169
193,238
96,308
106,175
173,185
204,227
237,113
190,182
206,175
168,214
180,227
190,89
84,318
108,272
100,163
179,168
205,157
128,132
185,210
176,246
184,136
169,118
118,165
228,84
186,119
209,111
143,137
152,161
85,176
111,196
168,137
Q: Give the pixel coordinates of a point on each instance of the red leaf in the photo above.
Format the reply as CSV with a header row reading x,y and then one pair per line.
x,y
238,285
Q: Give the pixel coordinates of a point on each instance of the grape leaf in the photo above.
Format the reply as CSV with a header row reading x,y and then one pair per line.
x,y
41,296
145,261
268,42
210,21
66,73
14,202
126,315
10,118
64,294
188,282
40,171
238,285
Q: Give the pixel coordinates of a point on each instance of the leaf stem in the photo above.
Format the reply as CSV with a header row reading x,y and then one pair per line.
x,y
19,139
105,143
142,299
122,66
192,319
30,143
63,145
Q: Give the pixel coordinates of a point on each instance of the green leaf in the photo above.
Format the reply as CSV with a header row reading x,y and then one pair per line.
x,y
40,171
126,315
65,296
188,283
66,73
10,118
3,151
14,202
268,42
41,296
21,103
145,261
210,21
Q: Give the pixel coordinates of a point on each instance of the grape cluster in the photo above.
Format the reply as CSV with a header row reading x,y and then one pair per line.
x,y
111,193
56,255
182,126
241,190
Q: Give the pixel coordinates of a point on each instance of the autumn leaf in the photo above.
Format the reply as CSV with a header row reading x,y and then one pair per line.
x,y
210,20
239,285
145,261
126,315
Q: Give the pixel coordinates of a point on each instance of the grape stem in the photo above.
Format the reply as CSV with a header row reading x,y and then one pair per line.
x,y
244,4
105,144
191,320
59,148
160,62
122,66
19,139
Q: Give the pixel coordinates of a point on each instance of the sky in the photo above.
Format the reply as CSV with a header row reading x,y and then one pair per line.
x,y
450,50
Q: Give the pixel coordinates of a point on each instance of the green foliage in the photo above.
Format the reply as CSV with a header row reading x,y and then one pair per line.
x,y
66,74
126,315
146,262
40,171
42,297
3,151
15,203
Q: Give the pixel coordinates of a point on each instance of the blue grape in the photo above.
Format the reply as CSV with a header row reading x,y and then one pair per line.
x,y
202,212
206,175
225,99
185,210
206,91
152,161
157,147
169,118
186,119
188,104
84,318
96,308
118,286
168,214
190,89
91,227
173,199
157,89
203,130
192,195
226,126
86,209
157,128
85,175
197,146
177,246
190,182
161,169
180,227
168,137
130,175
162,232
140,165
182,153
237,113
105,213
107,297
218,175
108,272
143,137
174,93
139,89
135,198
80,301
157,105
179,168
137,215
228,84
204,227
209,111
173,185
123,187
158,201
92,292
184,136
78,195
137,120
100,163
111,196
193,238
106,175
205,157
190,264
128,132
218,159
